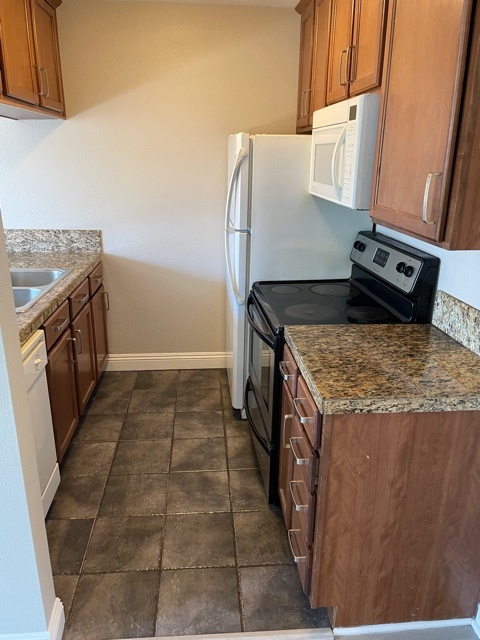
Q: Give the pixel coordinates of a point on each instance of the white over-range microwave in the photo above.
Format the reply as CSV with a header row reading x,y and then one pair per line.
x,y
343,150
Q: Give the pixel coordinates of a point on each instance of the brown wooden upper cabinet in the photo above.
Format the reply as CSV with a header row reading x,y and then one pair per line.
x,y
356,47
30,61
428,147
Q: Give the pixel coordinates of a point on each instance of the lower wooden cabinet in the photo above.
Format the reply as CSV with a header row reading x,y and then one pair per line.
x,y
77,343
383,511
62,391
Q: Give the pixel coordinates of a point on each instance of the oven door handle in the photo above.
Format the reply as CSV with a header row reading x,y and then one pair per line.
x,y
263,336
262,440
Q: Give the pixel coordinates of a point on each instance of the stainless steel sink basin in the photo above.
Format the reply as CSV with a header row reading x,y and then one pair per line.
x,y
29,285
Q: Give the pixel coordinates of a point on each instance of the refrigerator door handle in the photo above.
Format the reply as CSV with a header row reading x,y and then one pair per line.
x,y
242,153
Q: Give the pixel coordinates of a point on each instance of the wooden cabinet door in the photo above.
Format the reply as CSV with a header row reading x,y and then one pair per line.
x,y
85,367
338,58
320,54
99,317
366,53
47,55
61,389
285,467
17,53
423,77
304,110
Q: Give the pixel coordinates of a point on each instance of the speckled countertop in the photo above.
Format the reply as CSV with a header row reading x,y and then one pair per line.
x,y
80,263
385,368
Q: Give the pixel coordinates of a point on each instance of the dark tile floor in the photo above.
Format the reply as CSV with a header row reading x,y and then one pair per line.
x,y
161,526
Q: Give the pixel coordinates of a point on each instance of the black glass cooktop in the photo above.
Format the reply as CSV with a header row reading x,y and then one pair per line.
x,y
318,302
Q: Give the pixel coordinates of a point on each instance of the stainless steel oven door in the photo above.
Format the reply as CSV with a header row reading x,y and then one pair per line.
x,y
261,362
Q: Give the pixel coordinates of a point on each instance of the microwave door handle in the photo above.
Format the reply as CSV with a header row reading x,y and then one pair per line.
x,y
336,152
242,153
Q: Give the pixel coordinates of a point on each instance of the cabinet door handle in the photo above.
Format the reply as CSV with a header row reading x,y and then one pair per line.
x,y
343,84
426,196
61,326
303,419
286,376
47,94
106,298
296,558
298,507
287,416
81,341
298,460
39,80
307,95
349,66
75,350
302,110
81,300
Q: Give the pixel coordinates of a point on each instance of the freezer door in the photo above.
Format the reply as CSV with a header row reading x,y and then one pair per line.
x,y
236,256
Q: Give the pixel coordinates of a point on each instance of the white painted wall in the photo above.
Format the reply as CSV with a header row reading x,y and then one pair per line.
x,y
459,270
27,597
152,92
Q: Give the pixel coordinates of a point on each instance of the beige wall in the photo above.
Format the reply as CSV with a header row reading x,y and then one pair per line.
x,y
152,92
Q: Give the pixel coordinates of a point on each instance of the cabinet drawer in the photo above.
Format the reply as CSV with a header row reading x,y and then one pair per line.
x,y
95,279
302,554
303,502
56,324
79,298
304,458
306,412
289,370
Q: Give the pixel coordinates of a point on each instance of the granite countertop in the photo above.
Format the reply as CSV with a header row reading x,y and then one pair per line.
x,y
385,368
80,263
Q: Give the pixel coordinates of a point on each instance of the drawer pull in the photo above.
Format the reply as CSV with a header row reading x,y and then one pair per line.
x,y
296,558
81,300
298,460
99,279
287,416
286,376
298,507
303,419
61,326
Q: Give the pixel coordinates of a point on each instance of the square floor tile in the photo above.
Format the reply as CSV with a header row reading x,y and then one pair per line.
x,y
192,398
198,424
135,495
200,378
241,454
248,493
223,376
78,497
198,540
268,545
147,426
117,381
142,456
124,544
198,492
88,459
273,599
99,428
201,454
114,605
152,400
67,542
226,397
65,587
106,401
235,427
198,601
156,379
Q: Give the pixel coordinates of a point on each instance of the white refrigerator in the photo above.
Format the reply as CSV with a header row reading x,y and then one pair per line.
x,y
276,230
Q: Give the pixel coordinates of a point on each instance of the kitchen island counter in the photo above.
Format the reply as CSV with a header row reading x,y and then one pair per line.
x,y
385,368
81,264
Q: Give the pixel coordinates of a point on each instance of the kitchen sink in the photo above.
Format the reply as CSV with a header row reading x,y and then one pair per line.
x,y
29,285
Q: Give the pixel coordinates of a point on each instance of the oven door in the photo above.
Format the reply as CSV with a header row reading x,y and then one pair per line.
x,y
261,362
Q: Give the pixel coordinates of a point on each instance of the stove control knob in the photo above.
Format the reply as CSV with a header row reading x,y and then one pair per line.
x,y
360,246
408,271
400,267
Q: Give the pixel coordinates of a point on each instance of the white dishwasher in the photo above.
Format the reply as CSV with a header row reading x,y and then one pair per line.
x,y
34,355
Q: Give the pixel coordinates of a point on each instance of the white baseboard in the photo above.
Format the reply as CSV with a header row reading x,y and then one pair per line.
x,y
294,634
476,622
165,361
400,626
55,627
